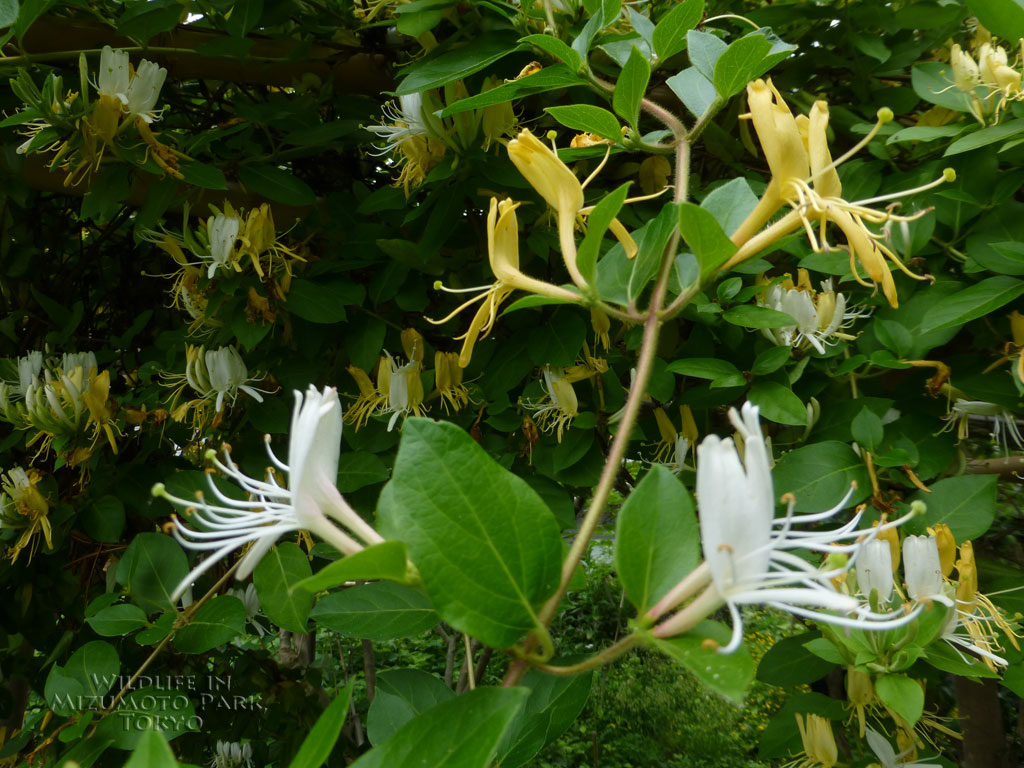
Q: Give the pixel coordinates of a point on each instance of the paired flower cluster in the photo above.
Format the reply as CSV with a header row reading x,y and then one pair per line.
x,y
79,132
928,564
308,501
61,399
417,140
399,388
749,553
989,73
24,508
215,375
804,177
820,316
821,751
225,242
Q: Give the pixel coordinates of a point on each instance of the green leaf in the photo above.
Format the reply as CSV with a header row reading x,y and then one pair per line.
x,y
317,746
966,503
819,475
548,79
152,751
631,87
95,666
704,50
656,541
942,656
556,48
1007,16
728,674
219,621
670,33
984,137
323,301
358,469
584,117
275,577
485,544
933,82
771,360
447,67
789,663
151,568
203,175
381,561
276,184
104,519
778,403
974,302
902,695
740,63
401,695
925,133
554,705
8,12
752,316
597,224
380,611
142,26
706,239
703,368
117,620
867,429
482,716
694,90
245,17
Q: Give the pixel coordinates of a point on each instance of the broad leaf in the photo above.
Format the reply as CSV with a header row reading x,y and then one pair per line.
x,y
381,561
401,695
485,544
381,611
275,578
317,745
219,621
726,673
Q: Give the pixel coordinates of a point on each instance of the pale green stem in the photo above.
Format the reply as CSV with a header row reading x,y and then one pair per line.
x,y
703,606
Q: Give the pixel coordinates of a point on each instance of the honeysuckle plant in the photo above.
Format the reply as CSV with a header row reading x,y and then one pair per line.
x,y
682,300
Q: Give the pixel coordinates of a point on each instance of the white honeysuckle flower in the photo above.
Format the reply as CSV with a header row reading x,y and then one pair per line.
x,y
1004,423
748,550
70,361
820,316
922,570
968,642
144,91
232,754
274,510
407,120
222,232
227,374
29,368
874,570
115,74
405,390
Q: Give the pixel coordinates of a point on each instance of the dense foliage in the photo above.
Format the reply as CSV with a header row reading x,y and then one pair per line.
x,y
642,359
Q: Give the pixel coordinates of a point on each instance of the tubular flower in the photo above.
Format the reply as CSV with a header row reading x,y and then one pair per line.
x,y
1000,83
558,185
559,406
370,398
306,503
448,381
1004,423
818,741
747,550
820,315
804,177
860,692
503,254
23,508
413,136
947,547
977,614
874,571
232,754
215,375
922,569
405,390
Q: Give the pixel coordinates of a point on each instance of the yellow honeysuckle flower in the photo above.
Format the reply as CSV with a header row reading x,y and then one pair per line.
x,y
23,507
947,547
804,177
369,400
448,381
819,743
503,253
558,185
559,406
